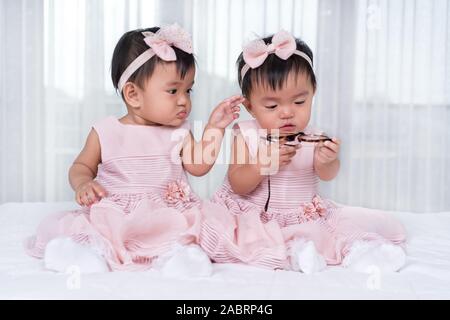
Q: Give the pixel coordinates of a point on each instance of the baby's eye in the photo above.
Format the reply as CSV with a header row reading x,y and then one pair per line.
x,y
189,91
271,107
173,91
299,102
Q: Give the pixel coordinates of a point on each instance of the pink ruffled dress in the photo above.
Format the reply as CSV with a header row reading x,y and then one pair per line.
x,y
242,231
149,206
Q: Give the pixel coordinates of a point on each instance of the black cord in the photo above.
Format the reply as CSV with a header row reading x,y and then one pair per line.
x,y
268,197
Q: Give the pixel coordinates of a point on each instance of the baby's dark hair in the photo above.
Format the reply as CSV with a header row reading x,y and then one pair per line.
x,y
130,46
275,71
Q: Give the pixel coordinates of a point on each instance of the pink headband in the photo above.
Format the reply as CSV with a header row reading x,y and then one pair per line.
x,y
283,45
160,43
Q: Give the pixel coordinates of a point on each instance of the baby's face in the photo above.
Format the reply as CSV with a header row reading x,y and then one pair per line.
x,y
166,97
287,109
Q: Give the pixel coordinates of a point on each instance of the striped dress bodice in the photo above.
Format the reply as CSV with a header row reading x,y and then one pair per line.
x,y
140,161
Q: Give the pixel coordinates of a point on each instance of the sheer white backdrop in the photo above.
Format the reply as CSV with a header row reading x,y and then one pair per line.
x,y
383,86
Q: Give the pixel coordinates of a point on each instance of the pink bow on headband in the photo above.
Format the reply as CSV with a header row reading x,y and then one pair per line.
x,y
283,45
162,41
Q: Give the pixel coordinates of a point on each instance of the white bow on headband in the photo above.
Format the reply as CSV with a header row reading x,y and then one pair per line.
x,y
160,44
283,46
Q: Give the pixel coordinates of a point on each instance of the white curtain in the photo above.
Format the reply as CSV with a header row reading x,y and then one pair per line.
x,y
22,121
383,87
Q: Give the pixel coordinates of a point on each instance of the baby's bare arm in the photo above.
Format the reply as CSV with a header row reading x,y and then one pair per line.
x,y
199,157
84,170
245,173
243,176
326,161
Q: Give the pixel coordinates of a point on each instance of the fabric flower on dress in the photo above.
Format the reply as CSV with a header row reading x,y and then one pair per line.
x,y
177,191
315,209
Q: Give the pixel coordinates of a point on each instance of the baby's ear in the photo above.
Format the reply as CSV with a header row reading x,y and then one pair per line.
x,y
131,94
248,106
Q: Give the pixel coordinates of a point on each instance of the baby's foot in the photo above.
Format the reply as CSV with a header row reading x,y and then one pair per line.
x,y
185,261
63,253
305,258
365,255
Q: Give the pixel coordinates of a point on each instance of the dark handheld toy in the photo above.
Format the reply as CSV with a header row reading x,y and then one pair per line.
x,y
286,139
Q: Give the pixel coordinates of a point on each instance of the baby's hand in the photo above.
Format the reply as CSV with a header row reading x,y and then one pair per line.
x,y
286,154
326,152
89,193
275,156
226,112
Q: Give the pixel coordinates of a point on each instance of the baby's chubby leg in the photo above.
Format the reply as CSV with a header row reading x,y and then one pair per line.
x,y
184,261
365,255
304,257
64,253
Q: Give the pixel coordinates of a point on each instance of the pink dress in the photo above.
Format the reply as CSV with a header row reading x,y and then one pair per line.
x,y
242,231
149,206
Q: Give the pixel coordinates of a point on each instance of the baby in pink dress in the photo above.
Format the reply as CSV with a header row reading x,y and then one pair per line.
x,y
270,213
138,209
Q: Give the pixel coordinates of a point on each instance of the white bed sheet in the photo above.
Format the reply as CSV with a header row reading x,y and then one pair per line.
x,y
426,275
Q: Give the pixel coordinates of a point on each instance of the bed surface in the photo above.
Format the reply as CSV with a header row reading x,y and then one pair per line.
x,y
425,276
